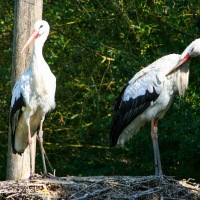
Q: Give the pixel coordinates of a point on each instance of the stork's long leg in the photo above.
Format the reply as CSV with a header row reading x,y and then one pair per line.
x,y
40,135
154,137
30,148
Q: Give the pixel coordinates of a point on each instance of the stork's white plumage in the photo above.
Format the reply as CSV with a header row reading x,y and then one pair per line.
x,y
33,95
148,96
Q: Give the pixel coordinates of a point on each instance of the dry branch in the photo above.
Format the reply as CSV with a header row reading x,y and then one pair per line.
x,y
100,187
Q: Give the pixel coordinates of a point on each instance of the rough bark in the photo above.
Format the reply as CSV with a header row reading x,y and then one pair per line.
x,y
26,14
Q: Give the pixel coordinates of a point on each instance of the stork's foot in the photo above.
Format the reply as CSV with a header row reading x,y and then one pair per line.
x,y
35,176
160,177
48,175
31,176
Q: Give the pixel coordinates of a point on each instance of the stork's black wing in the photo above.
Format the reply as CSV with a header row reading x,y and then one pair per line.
x,y
15,114
126,111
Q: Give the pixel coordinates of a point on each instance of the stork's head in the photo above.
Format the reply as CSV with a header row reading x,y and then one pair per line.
x,y
41,32
41,27
193,50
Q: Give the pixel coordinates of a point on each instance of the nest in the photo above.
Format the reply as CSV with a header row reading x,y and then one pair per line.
x,y
100,187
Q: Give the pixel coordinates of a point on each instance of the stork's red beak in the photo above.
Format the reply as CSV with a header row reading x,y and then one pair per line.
x,y
180,62
32,37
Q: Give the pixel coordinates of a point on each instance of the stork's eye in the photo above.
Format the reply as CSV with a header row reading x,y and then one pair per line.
x,y
192,50
40,26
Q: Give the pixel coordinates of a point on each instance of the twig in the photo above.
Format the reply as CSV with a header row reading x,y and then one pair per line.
x,y
147,192
98,188
12,195
89,195
84,189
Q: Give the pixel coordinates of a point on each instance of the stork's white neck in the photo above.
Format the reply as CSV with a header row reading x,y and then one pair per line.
x,y
37,60
38,68
37,51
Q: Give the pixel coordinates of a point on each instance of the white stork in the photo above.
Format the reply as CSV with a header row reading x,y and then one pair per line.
x,y
148,96
33,96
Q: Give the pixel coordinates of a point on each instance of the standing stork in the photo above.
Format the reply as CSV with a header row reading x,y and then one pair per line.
x,y
33,96
148,96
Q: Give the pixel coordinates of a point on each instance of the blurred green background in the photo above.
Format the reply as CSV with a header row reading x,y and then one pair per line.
x,y
94,49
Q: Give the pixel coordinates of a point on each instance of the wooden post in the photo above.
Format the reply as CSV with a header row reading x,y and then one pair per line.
x,y
26,13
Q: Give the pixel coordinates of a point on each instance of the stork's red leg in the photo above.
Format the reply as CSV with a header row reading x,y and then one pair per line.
x,y
40,135
154,137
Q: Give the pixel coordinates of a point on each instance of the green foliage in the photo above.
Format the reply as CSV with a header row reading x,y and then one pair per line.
x,y
6,27
94,48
